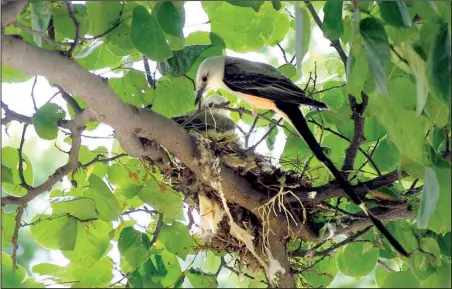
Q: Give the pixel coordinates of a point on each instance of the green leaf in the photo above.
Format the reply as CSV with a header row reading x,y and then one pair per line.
x,y
445,244
10,158
172,266
440,222
199,279
93,243
11,279
329,269
171,18
97,56
98,274
439,67
437,111
134,246
376,48
8,225
335,97
106,203
103,16
303,34
46,120
288,70
40,17
7,174
358,259
120,37
402,279
395,13
373,130
173,96
11,75
418,68
405,129
79,207
403,91
332,26
420,266
357,67
130,88
182,60
255,5
147,36
247,30
163,199
429,198
177,239
55,231
295,148
64,24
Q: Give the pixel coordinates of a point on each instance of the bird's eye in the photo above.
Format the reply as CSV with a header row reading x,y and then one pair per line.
x,y
204,78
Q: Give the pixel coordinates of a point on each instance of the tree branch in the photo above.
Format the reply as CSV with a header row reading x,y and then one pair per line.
x,y
129,122
55,177
11,10
358,134
71,13
15,237
336,43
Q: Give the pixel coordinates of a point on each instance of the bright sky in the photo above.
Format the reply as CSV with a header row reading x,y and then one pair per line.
x,y
18,98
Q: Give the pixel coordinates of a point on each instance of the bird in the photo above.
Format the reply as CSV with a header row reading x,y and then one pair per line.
x,y
265,87
215,122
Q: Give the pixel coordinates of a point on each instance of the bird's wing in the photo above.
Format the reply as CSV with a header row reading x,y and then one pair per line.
x,y
263,80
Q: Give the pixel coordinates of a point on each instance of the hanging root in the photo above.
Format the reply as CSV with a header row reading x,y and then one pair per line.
x,y
277,202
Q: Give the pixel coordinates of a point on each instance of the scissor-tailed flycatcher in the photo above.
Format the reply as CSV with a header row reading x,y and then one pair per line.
x,y
264,86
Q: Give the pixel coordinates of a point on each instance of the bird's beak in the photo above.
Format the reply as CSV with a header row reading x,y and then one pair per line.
x,y
199,94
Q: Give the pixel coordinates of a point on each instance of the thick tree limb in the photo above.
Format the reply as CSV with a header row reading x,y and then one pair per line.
x,y
129,123
11,10
387,216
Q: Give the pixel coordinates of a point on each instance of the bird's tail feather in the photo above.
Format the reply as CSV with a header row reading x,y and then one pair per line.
x,y
313,102
299,122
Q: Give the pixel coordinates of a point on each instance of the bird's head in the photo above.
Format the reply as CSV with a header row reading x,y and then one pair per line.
x,y
209,76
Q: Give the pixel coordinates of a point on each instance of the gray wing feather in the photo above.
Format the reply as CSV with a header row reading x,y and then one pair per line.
x,y
263,80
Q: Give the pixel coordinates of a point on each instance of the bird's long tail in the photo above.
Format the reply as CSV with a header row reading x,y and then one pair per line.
x,y
312,102
293,113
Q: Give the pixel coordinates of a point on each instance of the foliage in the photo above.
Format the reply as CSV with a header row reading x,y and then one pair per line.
x,y
397,69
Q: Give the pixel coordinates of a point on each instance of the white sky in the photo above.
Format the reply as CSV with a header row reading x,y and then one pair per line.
x,y
18,98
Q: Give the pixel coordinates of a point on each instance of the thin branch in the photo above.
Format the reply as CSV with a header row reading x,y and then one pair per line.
x,y
101,159
151,81
15,237
158,227
368,157
335,43
386,266
265,135
55,177
367,160
33,93
21,160
398,55
70,100
11,115
343,243
70,10
358,134
253,126
283,53
330,88
42,35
